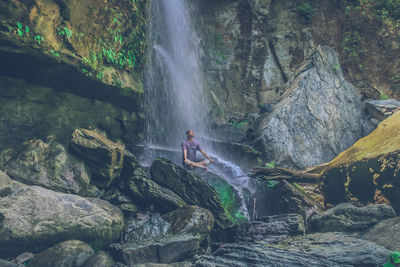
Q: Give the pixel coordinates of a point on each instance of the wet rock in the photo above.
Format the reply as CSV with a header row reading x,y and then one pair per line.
x,y
259,255
65,254
339,248
24,257
34,218
145,227
270,229
116,197
190,219
45,164
381,109
167,249
4,263
104,157
348,218
175,264
101,259
367,172
191,188
386,234
301,131
145,191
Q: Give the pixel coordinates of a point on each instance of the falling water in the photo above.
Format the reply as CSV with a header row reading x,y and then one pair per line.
x,y
176,97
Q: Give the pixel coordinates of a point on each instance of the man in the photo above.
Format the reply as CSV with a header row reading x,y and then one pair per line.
x,y
189,150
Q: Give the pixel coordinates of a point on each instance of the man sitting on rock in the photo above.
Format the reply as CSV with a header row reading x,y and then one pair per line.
x,y
189,150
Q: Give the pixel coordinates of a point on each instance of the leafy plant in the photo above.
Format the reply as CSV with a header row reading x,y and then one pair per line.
x,y
54,53
384,96
39,39
306,10
270,164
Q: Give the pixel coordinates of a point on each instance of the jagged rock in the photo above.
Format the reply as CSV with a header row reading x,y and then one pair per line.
x,y
4,263
64,254
145,191
259,255
24,257
105,158
348,218
33,218
301,131
190,219
369,171
273,198
381,109
145,227
191,188
116,197
45,164
101,259
128,208
175,264
167,249
386,234
270,229
340,248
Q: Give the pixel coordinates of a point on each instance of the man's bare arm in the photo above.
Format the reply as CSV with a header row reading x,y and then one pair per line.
x,y
205,155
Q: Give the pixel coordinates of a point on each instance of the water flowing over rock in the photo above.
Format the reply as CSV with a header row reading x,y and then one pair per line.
x,y
259,255
190,219
34,218
4,263
340,248
65,254
167,249
270,229
191,188
386,234
101,259
45,164
368,171
348,218
319,116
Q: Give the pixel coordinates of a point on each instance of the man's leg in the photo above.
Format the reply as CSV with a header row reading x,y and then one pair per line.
x,y
195,164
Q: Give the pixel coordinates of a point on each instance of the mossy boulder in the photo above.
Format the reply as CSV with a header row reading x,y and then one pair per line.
x,y
45,164
191,188
105,158
369,171
33,218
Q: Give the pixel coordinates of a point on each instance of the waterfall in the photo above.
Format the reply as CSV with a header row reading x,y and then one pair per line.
x,y
175,91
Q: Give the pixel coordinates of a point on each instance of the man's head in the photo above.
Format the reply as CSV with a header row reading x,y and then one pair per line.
x,y
189,133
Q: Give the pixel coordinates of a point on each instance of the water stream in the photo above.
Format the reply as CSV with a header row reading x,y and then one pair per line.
x,y
175,92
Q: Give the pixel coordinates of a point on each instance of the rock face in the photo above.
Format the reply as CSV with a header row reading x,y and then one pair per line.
x,y
190,219
65,254
34,218
348,218
145,227
45,164
259,255
167,249
386,234
320,115
270,229
369,170
191,188
101,259
381,109
340,248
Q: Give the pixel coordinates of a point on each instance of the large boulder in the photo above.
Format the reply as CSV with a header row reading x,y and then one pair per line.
x,y
191,188
259,255
386,234
145,192
319,116
190,219
33,218
45,164
270,229
369,171
104,157
145,227
381,109
341,248
348,218
101,259
167,249
72,253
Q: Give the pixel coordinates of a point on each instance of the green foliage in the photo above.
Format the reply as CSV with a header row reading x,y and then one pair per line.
x,y
395,81
270,164
384,96
336,67
236,124
39,39
54,53
306,10
64,31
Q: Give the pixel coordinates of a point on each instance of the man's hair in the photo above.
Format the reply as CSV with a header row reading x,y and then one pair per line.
x,y
187,132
